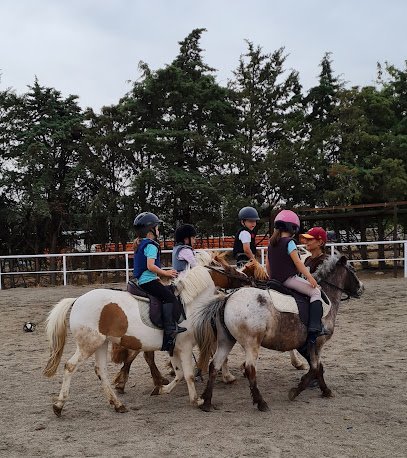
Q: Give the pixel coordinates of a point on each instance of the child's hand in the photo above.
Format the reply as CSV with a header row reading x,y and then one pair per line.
x,y
313,282
172,273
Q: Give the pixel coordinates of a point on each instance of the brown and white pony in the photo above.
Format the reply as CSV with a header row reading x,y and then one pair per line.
x,y
250,318
104,315
126,356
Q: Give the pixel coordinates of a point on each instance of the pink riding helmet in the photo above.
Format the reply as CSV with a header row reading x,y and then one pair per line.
x,y
288,216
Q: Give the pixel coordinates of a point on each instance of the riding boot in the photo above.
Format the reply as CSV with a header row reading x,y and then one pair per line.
x,y
171,328
315,326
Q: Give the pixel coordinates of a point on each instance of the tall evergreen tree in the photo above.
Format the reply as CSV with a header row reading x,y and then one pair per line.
x,y
271,118
43,151
180,123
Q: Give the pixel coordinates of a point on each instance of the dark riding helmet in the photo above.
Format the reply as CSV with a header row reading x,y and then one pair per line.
x,y
145,222
184,231
248,213
146,219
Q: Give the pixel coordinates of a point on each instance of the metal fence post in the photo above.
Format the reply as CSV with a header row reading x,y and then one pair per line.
x,y
405,259
64,268
332,250
262,255
126,257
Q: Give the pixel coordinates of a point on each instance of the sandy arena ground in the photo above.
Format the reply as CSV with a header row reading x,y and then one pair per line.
x,y
365,366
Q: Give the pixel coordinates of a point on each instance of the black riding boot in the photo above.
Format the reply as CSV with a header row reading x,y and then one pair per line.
x,y
171,328
315,326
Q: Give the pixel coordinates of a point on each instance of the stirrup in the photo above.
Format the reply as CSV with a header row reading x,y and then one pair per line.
x,y
178,330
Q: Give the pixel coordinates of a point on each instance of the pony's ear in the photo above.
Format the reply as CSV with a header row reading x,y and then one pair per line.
x,y
343,260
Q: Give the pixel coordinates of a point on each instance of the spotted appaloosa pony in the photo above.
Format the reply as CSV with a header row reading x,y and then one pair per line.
x,y
250,318
104,315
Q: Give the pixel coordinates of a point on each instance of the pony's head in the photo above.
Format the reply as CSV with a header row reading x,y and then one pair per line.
x,y
336,272
193,283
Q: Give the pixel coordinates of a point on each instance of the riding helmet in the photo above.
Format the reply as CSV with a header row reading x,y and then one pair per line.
x,y
248,213
184,231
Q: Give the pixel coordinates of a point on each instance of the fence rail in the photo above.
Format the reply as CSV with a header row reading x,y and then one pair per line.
x,y
64,271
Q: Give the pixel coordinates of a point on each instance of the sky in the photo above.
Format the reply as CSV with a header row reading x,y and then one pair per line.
x,y
91,48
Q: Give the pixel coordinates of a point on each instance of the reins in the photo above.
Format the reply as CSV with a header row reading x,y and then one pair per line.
x,y
338,288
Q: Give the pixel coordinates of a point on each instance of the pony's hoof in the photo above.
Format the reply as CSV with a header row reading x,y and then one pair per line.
x,y
164,381
292,394
119,389
57,410
156,391
121,409
206,407
197,402
263,406
229,380
327,393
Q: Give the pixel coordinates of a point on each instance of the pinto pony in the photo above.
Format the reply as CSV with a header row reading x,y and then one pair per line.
x,y
104,315
250,317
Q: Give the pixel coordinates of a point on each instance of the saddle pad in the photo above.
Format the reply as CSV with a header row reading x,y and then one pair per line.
x,y
145,312
285,303
144,307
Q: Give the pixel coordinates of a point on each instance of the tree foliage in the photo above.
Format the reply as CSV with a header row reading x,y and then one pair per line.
x,y
191,150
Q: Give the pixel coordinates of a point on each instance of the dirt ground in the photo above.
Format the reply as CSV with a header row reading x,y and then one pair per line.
x,y
365,366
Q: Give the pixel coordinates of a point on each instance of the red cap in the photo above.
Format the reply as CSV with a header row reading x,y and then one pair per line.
x,y
316,233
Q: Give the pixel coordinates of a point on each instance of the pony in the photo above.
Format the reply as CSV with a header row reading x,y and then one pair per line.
x,y
126,356
104,315
250,318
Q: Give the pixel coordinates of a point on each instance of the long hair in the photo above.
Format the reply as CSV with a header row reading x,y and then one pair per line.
x,y
136,243
275,238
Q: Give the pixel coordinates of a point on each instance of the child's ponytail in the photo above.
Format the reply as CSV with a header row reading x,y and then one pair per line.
x,y
275,238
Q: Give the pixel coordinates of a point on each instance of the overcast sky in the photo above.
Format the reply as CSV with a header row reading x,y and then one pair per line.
x,y
91,48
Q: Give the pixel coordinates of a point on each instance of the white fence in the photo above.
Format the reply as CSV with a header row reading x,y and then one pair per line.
x,y
401,244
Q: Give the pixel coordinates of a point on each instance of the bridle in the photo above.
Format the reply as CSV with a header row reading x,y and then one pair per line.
x,y
343,290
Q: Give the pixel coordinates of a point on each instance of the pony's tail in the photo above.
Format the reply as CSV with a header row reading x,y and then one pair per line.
x,y
56,329
205,329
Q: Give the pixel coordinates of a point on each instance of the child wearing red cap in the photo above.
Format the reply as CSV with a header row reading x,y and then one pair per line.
x,y
284,265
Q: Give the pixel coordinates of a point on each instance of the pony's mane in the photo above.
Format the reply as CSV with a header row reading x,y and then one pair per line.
x,y
193,283
256,269
203,258
326,267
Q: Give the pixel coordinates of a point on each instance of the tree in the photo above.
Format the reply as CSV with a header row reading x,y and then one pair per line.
x,y
322,131
271,116
43,143
180,124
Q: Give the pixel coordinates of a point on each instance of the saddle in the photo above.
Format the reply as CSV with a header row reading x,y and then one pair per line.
x,y
155,305
288,300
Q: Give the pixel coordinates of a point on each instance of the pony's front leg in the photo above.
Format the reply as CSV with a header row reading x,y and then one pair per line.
x,y
123,375
315,372
326,392
188,369
179,375
101,372
296,361
158,378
